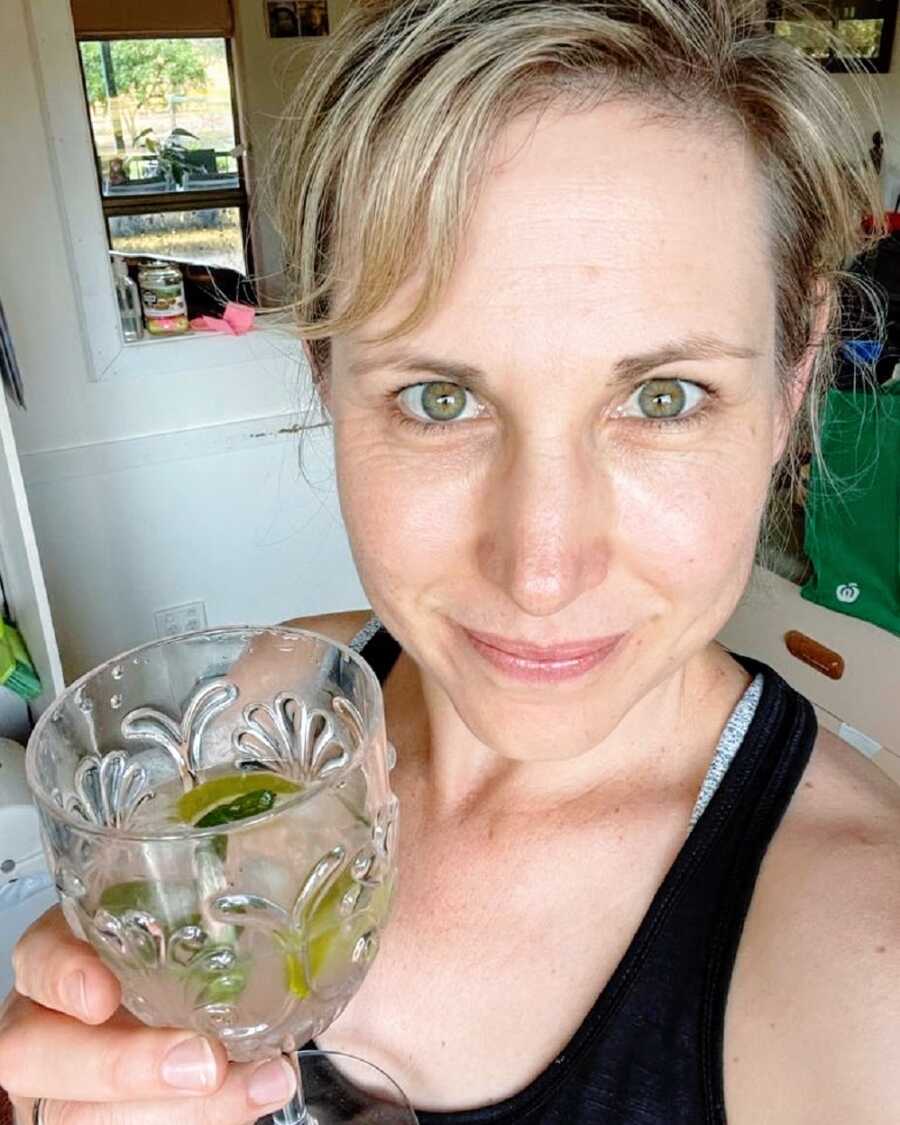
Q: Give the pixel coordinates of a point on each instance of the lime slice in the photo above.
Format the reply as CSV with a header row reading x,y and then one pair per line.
x,y
227,791
174,906
251,804
326,941
321,950
330,942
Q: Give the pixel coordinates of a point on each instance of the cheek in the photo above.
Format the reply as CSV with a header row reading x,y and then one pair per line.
x,y
408,519
679,527
689,525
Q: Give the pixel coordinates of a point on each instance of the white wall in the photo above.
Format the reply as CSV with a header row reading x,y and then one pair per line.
x,y
237,530
148,490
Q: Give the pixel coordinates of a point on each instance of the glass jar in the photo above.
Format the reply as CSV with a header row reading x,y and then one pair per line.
x,y
162,299
129,301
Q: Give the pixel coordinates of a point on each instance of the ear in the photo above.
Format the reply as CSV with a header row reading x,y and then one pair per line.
x,y
795,392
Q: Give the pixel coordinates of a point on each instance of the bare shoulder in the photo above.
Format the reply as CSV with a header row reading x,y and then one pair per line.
x,y
839,859
851,781
816,988
341,627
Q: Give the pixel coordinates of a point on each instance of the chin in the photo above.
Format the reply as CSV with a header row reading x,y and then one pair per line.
x,y
543,733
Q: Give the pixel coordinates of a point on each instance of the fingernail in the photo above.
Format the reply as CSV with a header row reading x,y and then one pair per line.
x,y
272,1083
74,992
190,1065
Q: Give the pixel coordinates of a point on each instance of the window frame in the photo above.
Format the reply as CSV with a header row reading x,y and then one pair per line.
x,y
194,199
837,64
119,371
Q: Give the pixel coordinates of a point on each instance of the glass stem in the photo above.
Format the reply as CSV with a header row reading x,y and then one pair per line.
x,y
295,1112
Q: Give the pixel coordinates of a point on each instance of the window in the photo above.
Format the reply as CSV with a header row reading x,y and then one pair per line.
x,y
836,33
167,148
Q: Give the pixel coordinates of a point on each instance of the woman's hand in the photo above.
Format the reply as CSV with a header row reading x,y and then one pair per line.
x,y
63,1037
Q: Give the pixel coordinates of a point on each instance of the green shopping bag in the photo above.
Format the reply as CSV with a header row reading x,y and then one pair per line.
x,y
852,533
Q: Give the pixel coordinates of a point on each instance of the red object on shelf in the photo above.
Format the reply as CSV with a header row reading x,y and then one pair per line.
x,y
891,222
234,321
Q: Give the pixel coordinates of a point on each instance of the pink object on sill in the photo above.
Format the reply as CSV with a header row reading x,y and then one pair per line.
x,y
234,321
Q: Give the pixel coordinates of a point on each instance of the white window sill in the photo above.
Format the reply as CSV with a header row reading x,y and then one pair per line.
x,y
166,355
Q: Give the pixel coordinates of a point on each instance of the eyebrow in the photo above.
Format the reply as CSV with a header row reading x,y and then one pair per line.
x,y
626,370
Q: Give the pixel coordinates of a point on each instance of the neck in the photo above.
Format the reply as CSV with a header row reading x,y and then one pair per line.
x,y
664,743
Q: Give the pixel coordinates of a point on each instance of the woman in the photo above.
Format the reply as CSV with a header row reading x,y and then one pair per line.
x,y
314,19
567,273
283,22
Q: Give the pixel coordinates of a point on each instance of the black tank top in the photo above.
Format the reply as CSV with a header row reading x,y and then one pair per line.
x,y
649,1051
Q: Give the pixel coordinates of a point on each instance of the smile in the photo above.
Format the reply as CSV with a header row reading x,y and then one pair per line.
x,y
542,664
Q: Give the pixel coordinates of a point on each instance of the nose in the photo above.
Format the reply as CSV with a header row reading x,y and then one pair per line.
x,y
545,528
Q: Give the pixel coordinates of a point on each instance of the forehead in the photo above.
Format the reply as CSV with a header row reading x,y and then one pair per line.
x,y
608,230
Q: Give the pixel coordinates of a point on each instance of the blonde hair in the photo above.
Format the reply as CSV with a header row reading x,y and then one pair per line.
x,y
379,155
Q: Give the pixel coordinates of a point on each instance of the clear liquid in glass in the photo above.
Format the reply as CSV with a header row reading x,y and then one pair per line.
x,y
258,934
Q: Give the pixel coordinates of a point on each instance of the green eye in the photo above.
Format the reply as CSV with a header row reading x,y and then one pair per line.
x,y
443,402
666,402
438,403
662,398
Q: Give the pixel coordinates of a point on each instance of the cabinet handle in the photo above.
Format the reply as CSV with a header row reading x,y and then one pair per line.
x,y
824,660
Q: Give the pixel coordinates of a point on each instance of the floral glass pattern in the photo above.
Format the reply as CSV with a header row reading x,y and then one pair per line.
x,y
256,930
295,740
107,790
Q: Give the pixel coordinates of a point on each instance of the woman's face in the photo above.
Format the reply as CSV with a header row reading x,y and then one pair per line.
x,y
285,22
577,443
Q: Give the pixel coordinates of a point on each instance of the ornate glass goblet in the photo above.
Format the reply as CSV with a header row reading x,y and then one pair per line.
x,y
217,810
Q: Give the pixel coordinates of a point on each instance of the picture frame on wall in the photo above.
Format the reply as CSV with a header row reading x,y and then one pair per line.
x,y
313,17
296,19
282,20
843,37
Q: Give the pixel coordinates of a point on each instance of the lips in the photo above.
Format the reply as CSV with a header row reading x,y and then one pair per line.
x,y
549,654
534,664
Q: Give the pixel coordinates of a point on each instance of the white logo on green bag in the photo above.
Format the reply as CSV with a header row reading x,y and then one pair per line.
x,y
848,593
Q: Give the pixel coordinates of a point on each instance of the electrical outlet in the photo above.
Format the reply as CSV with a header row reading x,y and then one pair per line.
x,y
185,618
